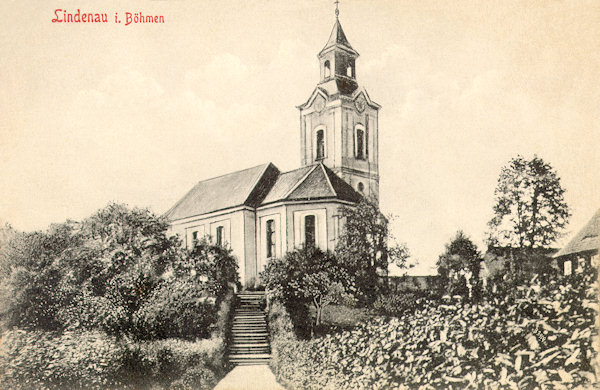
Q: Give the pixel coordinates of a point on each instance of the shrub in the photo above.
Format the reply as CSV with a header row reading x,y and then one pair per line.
x,y
308,276
212,263
176,309
399,303
166,363
93,360
541,337
38,359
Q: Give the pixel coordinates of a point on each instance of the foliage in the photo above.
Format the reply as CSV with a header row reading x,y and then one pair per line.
x,y
32,272
116,271
212,265
366,247
38,359
178,308
530,209
93,360
397,304
173,363
308,275
545,338
459,266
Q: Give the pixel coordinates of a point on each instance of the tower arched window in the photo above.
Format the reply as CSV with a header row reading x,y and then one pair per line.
x,y
360,143
320,143
327,69
349,71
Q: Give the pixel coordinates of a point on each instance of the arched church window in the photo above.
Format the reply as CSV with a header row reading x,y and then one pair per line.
x,y
360,186
327,69
320,144
360,144
270,235
349,71
219,233
309,230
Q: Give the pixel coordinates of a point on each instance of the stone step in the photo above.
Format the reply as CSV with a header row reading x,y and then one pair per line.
x,y
250,325
250,356
242,332
257,319
263,324
250,339
248,350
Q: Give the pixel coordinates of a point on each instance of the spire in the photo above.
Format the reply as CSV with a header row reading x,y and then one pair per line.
x,y
337,38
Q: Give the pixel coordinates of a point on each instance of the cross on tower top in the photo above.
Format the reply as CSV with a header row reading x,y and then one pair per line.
x,y
337,11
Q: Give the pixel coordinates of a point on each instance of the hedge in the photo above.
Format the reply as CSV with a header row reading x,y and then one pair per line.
x,y
544,337
95,360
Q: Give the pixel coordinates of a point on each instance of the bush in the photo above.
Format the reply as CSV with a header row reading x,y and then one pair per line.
x,y
397,304
38,359
93,360
308,276
214,264
166,363
176,309
542,337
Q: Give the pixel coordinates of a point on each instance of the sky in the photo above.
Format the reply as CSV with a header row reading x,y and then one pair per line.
x,y
95,113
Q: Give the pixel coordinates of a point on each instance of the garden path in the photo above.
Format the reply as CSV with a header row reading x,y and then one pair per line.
x,y
252,377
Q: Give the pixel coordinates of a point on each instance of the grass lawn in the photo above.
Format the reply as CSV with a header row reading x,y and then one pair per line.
x,y
337,318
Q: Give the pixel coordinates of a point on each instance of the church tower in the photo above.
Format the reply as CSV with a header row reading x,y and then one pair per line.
x,y
339,122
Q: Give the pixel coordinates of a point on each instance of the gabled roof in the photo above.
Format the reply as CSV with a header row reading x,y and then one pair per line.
x,y
286,183
261,185
588,238
337,38
245,187
310,183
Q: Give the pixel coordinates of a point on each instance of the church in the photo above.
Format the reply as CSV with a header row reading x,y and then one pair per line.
x,y
260,212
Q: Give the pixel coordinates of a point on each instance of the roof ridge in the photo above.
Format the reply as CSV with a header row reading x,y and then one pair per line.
x,y
231,173
260,176
328,179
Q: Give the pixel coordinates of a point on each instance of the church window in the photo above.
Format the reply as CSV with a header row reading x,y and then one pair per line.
x,y
270,235
360,144
309,230
327,69
349,71
194,238
320,144
360,186
219,235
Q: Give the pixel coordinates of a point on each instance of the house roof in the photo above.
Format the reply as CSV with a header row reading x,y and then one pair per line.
x,y
261,185
587,239
231,190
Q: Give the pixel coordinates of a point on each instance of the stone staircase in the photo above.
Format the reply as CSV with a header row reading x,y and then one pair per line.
x,y
249,336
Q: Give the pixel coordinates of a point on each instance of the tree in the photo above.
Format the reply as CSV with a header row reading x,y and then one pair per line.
x,y
107,271
459,265
366,247
308,275
530,210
